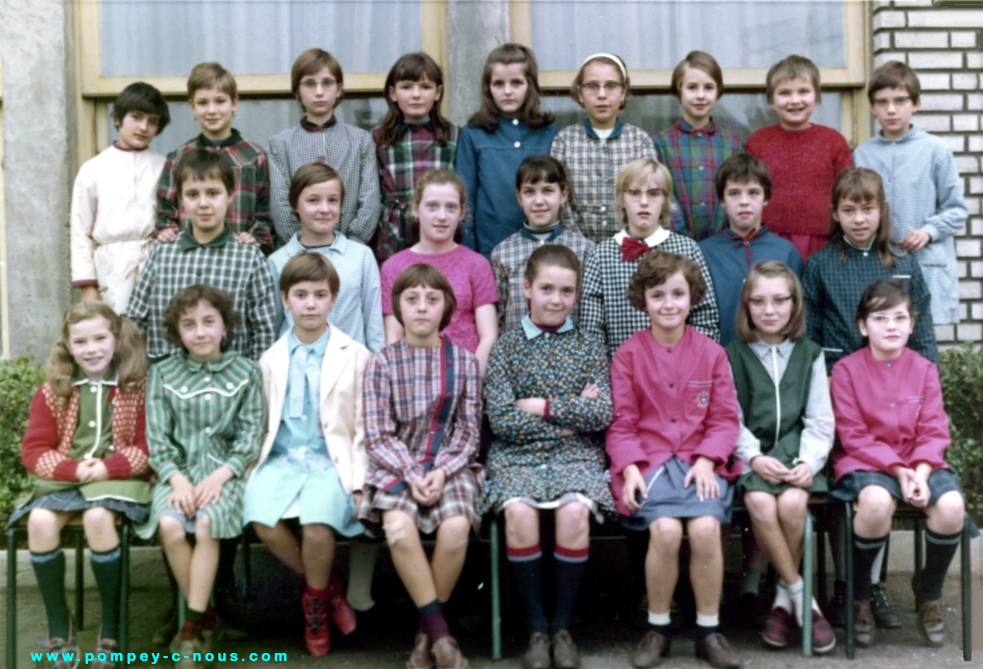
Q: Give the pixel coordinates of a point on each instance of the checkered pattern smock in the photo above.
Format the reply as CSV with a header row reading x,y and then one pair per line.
x,y
236,268
833,282
593,165
350,151
693,156
604,307
415,152
509,265
400,392
201,416
249,210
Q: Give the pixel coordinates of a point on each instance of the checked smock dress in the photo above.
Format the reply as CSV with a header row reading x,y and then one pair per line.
x,y
529,457
201,416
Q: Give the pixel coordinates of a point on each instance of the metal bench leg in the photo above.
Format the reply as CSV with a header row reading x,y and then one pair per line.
x,y
967,599
124,587
12,598
247,566
848,563
496,601
807,560
821,593
919,545
79,582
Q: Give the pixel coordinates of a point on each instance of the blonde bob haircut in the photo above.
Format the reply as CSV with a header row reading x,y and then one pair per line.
x,y
640,170
772,269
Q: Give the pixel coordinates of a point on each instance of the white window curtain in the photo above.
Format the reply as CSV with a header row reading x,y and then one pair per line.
x,y
169,37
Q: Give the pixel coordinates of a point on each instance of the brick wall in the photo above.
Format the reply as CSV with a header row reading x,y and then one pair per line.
x,y
944,45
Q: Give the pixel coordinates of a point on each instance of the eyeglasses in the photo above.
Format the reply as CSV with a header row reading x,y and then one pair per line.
x,y
636,193
884,103
609,87
312,84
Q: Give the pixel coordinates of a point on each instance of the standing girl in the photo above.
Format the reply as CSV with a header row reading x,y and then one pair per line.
x,y
643,210
438,205
893,436
508,127
674,430
695,147
205,417
595,151
422,402
86,447
549,399
316,80
786,434
413,137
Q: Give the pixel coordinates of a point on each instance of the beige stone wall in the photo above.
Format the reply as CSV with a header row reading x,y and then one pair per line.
x,y
944,45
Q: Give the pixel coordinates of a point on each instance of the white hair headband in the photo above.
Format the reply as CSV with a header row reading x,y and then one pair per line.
x,y
620,63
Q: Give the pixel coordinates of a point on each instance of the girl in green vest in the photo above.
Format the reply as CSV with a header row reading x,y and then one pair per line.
x,y
786,434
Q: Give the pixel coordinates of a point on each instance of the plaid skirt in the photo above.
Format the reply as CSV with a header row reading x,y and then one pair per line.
x,y
459,498
72,500
940,482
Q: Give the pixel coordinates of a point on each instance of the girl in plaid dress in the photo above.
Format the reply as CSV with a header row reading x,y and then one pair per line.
x,y
413,137
85,445
205,417
893,434
595,150
786,435
422,404
549,399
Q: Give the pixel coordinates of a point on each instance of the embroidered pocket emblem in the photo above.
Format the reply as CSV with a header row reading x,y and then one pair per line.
x,y
703,398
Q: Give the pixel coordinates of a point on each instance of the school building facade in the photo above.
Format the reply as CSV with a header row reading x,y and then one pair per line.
x,y
63,61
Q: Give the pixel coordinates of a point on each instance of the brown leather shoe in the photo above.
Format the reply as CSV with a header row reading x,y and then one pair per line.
x,y
565,653
650,651
537,652
931,622
715,650
863,623
421,657
447,654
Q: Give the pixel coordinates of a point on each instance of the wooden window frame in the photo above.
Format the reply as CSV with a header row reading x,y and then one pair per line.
x,y
849,81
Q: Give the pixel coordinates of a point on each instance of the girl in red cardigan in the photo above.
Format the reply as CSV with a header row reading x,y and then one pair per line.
x,y
893,433
85,446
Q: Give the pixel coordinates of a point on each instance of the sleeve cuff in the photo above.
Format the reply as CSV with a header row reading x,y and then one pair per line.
x,y
84,283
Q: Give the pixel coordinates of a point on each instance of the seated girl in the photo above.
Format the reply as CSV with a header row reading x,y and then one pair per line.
x,y
422,405
549,397
674,430
786,434
205,418
85,445
893,433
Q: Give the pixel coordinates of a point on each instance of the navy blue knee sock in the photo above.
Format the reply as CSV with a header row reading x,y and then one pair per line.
x,y
527,565
49,568
939,551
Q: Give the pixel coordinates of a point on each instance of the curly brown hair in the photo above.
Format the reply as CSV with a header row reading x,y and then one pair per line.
x,y
188,298
656,268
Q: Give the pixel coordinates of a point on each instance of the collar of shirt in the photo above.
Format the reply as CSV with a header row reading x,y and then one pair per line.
x,y
415,126
187,242
732,236
311,127
541,234
212,365
684,126
618,127
339,245
660,235
318,347
762,349
903,138
866,249
205,143
532,331
109,380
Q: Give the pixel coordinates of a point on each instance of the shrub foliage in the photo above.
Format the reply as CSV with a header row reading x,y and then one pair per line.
x,y
962,393
18,381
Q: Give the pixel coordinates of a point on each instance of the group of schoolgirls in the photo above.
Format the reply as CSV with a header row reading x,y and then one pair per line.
x,y
387,443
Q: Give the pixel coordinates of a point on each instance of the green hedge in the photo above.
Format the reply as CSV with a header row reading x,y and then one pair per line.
x,y
962,387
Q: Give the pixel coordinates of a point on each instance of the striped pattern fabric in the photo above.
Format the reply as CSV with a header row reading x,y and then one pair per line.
x,y
509,265
604,307
415,152
249,210
693,156
593,165
236,268
202,416
350,151
832,284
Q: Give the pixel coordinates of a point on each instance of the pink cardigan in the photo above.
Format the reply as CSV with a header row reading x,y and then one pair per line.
x,y
887,413
677,401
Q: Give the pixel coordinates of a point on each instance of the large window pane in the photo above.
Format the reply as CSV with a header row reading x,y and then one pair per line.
x,y
169,37
657,34
739,113
259,120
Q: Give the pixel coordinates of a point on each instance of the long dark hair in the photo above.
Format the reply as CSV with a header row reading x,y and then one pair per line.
x,y
488,115
862,185
413,67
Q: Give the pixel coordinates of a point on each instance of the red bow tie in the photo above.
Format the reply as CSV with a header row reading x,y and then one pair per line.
x,y
632,249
